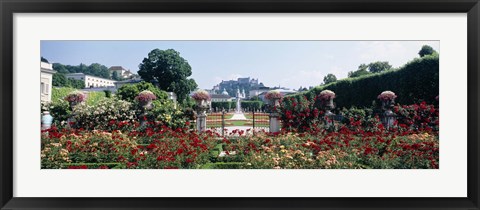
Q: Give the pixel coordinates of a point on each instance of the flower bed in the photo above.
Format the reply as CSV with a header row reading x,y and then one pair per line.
x,y
345,149
160,147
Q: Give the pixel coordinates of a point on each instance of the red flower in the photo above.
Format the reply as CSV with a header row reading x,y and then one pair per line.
x,y
134,151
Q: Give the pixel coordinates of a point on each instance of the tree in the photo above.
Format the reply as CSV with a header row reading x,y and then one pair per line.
x,y
115,76
44,59
99,70
169,70
127,92
77,84
358,73
60,68
362,70
426,50
329,78
363,67
59,80
379,66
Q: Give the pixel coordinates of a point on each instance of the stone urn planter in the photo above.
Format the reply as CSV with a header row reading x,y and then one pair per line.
x,y
328,105
146,105
73,104
144,100
326,102
201,106
273,98
74,98
388,101
202,99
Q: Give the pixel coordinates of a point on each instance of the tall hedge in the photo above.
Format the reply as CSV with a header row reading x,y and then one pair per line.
x,y
414,82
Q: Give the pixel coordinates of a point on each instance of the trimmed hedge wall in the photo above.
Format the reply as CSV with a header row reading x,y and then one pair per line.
x,y
249,105
414,82
223,105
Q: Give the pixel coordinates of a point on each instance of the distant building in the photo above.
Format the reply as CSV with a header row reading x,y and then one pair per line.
x,y
246,84
258,91
46,76
121,72
92,81
223,97
220,98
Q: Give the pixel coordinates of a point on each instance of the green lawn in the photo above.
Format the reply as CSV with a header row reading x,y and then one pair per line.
x,y
257,116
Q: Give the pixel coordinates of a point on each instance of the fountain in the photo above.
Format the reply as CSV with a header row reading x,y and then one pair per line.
x,y
239,107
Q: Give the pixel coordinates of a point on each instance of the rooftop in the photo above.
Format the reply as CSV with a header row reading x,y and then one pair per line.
x,y
219,96
117,68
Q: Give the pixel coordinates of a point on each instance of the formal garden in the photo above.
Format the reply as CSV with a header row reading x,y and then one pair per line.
x,y
387,120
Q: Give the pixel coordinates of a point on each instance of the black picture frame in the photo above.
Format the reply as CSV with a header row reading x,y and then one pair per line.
x,y
10,7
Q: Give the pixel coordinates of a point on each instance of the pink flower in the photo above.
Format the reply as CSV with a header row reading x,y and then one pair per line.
x,y
201,95
273,94
387,96
326,95
75,96
145,96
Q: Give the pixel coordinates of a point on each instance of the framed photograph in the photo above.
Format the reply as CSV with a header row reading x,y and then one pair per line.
x,y
239,105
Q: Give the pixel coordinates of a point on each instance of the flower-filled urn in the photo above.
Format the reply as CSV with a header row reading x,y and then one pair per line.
x,y
74,98
274,97
145,99
388,99
201,98
326,98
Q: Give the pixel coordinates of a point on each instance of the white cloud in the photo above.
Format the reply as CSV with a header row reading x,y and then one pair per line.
x,y
396,53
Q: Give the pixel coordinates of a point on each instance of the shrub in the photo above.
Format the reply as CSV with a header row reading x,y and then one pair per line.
x,y
344,149
59,109
417,116
130,91
108,93
177,148
166,113
299,114
100,115
63,148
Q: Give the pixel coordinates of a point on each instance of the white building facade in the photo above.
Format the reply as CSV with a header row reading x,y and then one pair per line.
x,y
92,81
46,76
121,72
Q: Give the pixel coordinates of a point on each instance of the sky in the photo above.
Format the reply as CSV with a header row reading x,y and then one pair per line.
x,y
290,64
